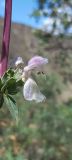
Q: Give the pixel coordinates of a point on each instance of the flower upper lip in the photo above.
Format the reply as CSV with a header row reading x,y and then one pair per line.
x,y
36,62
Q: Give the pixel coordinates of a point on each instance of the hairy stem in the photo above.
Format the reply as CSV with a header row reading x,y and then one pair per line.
x,y
6,37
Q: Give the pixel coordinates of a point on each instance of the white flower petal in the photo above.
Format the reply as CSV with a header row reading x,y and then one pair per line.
x,y
39,97
32,92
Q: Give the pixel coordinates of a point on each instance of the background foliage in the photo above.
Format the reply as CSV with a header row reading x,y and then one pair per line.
x,y
58,15
44,130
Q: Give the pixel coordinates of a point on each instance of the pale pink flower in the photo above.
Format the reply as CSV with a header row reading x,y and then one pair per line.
x,y
32,92
37,62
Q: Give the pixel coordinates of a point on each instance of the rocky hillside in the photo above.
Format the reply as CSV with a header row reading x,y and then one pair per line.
x,y
24,43
22,40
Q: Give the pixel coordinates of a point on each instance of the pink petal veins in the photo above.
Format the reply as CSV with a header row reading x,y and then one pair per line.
x,y
38,60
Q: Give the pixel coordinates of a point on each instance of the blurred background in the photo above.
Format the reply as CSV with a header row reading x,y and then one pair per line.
x,y
44,130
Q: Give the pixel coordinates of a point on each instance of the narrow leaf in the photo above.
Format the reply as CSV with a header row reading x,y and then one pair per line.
x,y
11,104
1,100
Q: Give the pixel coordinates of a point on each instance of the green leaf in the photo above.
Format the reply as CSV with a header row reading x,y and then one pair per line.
x,y
1,100
0,83
36,14
11,87
12,99
20,83
7,75
11,104
10,72
4,78
17,74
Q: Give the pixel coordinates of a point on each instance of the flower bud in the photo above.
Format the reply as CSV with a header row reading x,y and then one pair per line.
x,y
19,61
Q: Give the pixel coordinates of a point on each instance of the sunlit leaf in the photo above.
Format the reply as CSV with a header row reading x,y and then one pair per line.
x,y
7,75
11,104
